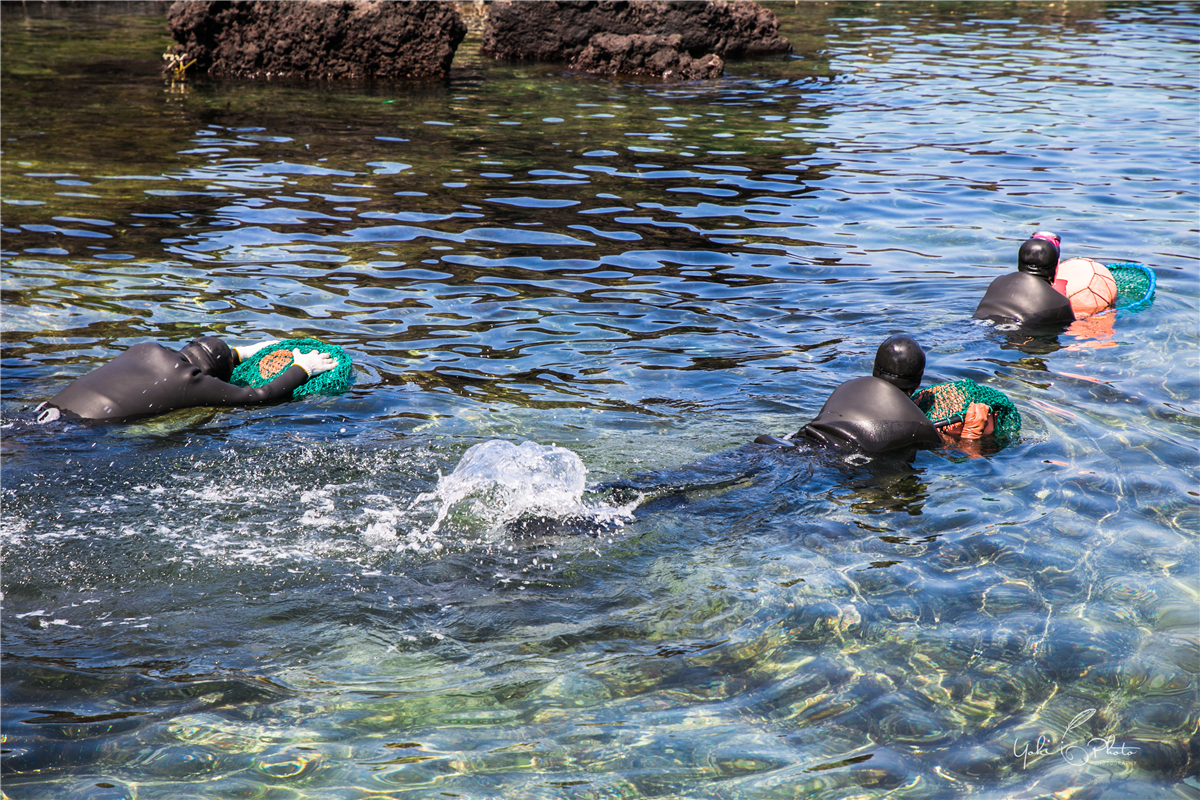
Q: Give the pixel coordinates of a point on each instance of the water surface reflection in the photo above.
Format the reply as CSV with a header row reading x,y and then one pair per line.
x,y
277,601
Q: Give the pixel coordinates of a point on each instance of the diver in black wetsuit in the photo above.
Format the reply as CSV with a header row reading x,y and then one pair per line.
x,y
1027,295
874,414
151,379
871,414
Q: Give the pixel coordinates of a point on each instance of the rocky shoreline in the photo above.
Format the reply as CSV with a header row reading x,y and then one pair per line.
x,y
403,40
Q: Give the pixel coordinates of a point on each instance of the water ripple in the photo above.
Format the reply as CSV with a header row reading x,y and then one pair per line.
x,y
646,275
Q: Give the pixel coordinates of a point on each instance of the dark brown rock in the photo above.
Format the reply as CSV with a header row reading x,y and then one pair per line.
x,y
661,56
561,30
318,39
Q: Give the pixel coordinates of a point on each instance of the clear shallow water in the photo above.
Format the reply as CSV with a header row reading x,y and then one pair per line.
x,y
283,603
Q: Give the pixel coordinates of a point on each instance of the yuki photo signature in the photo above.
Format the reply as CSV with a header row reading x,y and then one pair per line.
x,y
1080,751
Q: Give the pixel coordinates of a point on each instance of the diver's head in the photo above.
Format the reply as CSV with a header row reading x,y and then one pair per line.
x,y
211,356
1038,257
901,362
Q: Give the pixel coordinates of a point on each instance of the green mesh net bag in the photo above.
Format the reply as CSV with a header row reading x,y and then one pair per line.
x,y
269,362
1135,285
945,403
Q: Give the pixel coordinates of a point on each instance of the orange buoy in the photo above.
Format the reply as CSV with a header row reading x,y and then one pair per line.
x,y
1089,285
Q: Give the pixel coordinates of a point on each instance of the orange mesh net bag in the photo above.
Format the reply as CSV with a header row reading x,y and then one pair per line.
x,y
946,403
270,361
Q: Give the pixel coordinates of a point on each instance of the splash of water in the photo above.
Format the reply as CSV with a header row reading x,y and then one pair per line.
x,y
497,482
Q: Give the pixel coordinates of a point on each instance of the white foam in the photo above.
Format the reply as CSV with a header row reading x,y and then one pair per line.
x,y
258,517
497,482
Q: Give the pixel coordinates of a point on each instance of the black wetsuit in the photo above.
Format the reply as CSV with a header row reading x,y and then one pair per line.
x,y
872,414
151,379
1024,298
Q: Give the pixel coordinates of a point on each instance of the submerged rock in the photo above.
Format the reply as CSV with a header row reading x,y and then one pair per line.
x,y
612,36
318,39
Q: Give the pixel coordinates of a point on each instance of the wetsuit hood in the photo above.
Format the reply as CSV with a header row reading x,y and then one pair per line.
x,y
1038,257
901,362
211,356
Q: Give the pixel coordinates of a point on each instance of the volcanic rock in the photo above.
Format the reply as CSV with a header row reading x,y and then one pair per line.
x,y
661,56
317,39
563,30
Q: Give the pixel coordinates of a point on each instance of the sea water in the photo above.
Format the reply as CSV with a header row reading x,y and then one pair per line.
x,y
531,553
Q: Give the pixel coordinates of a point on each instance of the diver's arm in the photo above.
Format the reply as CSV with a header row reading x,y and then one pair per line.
x,y
245,352
209,391
205,390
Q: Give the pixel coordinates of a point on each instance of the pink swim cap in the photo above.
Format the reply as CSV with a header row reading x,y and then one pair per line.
x,y
1049,237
